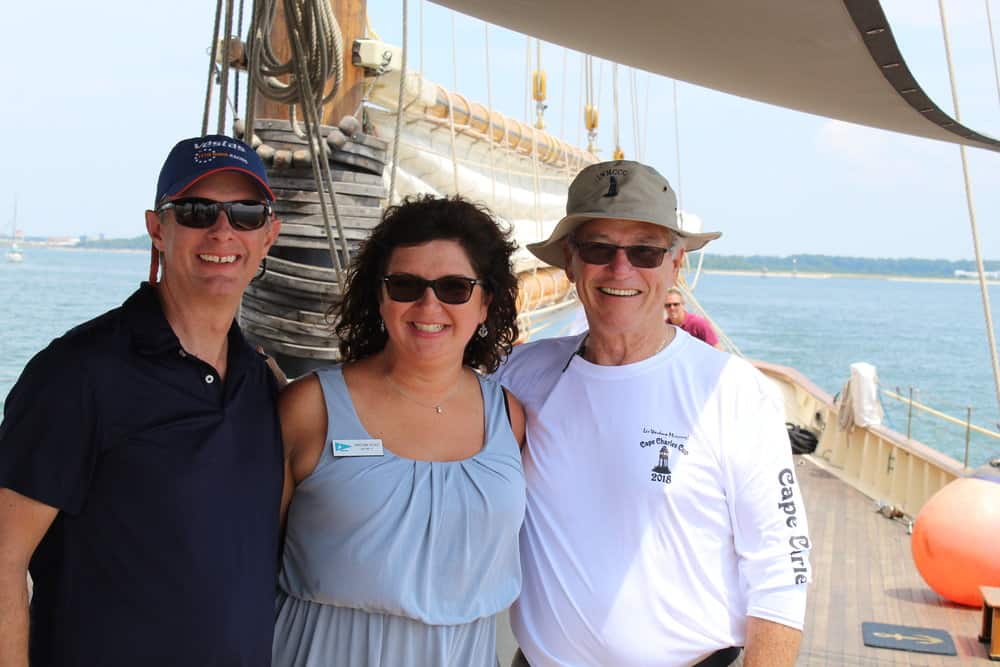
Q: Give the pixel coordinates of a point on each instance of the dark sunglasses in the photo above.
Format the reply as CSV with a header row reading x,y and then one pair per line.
x,y
639,256
453,290
199,213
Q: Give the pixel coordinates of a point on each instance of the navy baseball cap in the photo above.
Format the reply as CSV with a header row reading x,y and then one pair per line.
x,y
193,159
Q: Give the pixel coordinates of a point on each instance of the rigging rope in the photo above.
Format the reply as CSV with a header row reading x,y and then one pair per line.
x,y
321,55
224,78
618,154
562,102
489,112
645,114
697,272
399,109
993,47
538,91
539,88
370,29
727,342
527,76
677,144
252,37
562,109
317,57
451,107
590,117
507,146
379,73
990,336
634,98
211,68
236,86
317,149
580,97
536,182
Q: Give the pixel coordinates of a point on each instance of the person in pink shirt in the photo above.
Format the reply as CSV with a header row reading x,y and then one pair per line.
x,y
696,325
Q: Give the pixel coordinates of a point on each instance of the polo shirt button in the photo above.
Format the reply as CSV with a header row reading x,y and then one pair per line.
x,y
209,378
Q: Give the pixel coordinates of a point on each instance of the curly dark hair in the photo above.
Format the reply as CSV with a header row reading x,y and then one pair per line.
x,y
417,220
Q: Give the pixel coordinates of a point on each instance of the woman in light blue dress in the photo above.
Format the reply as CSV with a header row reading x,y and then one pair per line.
x,y
404,490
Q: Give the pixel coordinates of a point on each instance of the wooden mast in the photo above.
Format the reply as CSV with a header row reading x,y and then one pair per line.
x,y
351,17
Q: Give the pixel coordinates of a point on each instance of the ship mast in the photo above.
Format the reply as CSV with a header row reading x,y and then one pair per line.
x,y
304,96
350,14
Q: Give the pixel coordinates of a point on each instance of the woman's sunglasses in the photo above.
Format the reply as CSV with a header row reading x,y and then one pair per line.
x,y
639,256
407,288
199,213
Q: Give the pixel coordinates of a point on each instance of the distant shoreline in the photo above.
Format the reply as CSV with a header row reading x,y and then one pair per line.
x,y
91,249
862,276
805,275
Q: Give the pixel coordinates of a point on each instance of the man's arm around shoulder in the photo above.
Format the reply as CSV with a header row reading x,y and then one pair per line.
x,y
23,524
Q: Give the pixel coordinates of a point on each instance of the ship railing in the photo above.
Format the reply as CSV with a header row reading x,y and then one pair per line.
x,y
885,465
967,424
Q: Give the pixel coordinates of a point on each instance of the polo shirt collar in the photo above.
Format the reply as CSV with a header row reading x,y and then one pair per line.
x,y
152,333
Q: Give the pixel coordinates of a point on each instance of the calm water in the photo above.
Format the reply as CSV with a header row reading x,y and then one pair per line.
x,y
927,335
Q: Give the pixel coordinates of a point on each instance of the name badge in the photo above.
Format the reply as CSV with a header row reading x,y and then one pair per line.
x,y
357,447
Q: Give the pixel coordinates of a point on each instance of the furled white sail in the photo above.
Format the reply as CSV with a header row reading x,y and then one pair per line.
x,y
522,174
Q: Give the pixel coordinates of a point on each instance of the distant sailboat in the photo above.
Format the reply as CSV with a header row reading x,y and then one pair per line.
x,y
14,253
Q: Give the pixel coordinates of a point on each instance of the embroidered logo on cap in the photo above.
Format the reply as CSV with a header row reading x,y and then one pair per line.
x,y
612,188
206,151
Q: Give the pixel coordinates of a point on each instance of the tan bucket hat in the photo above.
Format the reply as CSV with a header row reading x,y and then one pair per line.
x,y
623,190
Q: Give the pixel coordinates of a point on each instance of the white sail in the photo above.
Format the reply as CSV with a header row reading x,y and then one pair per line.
x,y
522,174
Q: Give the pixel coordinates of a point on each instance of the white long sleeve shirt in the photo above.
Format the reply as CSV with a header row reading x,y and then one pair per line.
x,y
662,508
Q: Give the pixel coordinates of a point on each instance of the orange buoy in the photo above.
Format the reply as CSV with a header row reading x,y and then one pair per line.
x,y
956,539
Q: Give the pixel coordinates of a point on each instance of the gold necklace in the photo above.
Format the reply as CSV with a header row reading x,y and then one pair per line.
x,y
437,407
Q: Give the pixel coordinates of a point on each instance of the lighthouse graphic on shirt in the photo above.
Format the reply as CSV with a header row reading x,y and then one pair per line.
x,y
663,465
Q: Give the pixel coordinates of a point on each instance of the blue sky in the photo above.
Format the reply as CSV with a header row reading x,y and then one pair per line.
x,y
104,90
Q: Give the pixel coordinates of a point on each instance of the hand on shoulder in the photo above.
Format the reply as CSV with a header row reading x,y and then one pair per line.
x,y
272,364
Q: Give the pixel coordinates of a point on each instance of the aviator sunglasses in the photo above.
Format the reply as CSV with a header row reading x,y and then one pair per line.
x,y
199,213
639,256
454,290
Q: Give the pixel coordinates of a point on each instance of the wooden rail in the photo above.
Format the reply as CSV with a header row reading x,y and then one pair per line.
x,y
941,415
879,462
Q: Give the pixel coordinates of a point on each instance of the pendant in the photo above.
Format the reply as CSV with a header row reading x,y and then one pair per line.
x,y
438,409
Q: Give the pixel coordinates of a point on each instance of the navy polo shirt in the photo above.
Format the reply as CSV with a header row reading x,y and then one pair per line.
x,y
168,481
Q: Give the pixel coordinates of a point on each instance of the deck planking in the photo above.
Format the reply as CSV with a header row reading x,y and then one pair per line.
x,y
863,571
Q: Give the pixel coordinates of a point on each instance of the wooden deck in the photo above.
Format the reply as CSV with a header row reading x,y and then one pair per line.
x,y
863,571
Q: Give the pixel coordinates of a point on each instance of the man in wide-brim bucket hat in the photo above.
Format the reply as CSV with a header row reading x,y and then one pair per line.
x,y
621,190
664,524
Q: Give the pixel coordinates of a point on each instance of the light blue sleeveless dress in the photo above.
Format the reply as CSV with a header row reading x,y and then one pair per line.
x,y
395,562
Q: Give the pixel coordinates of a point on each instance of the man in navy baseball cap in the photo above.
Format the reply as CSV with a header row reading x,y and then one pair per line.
x,y
193,159
140,453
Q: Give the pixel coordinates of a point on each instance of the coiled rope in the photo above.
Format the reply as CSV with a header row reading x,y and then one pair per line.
x,y
317,47
317,53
